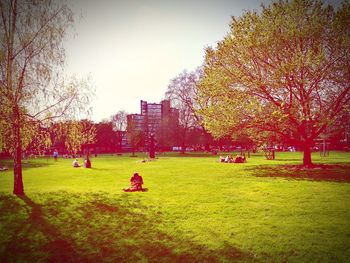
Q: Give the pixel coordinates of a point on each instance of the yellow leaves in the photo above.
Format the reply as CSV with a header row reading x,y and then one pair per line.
x,y
277,67
77,133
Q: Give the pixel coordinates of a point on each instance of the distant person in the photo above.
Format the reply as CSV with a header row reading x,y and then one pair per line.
x,y
3,168
75,163
221,159
229,159
87,163
136,182
240,159
55,155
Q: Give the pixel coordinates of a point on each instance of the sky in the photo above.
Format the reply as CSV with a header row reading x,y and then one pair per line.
x,y
133,48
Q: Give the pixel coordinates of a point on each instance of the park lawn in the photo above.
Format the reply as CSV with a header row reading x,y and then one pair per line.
x,y
196,210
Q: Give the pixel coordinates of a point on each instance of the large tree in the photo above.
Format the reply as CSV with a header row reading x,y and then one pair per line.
x,y
33,89
284,70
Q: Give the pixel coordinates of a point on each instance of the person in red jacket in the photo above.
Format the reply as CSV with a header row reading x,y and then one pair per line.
x,y
136,182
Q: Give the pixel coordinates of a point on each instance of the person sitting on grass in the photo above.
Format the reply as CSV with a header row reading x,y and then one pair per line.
x,y
221,159
136,182
75,163
229,159
240,159
3,168
87,163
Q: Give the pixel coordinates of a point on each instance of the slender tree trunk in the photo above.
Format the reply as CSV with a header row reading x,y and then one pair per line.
x,y
120,145
18,188
183,144
183,148
16,129
307,154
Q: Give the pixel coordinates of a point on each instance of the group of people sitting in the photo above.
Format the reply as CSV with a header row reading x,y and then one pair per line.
x,y
229,159
86,163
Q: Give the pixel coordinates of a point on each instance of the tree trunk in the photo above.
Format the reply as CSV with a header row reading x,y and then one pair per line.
x,y
18,188
183,141
16,128
152,147
183,148
307,155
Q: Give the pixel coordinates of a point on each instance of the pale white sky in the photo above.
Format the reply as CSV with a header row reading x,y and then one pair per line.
x,y
132,48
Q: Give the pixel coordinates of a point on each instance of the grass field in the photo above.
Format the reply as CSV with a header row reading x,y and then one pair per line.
x,y
196,210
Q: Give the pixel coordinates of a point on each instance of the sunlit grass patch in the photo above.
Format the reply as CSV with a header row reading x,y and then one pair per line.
x,y
196,210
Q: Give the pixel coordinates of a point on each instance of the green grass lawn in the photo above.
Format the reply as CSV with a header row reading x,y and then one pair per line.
x,y
196,210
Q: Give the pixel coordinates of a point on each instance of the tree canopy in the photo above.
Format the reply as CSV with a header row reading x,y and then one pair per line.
x,y
284,70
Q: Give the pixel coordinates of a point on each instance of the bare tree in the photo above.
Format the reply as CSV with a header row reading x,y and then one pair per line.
x,y
34,91
119,121
182,91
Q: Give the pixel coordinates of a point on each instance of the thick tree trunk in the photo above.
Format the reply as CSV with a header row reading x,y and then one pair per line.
x,y
307,155
18,188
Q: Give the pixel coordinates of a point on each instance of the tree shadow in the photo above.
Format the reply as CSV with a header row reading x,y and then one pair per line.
x,y
318,172
100,230
101,169
194,154
36,239
287,160
29,165
26,164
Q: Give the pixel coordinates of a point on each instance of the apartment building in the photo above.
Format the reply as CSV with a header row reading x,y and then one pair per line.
x,y
153,117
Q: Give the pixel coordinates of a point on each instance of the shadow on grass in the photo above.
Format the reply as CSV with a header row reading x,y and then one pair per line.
x,y
100,169
287,160
26,164
319,172
188,154
92,228
35,238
